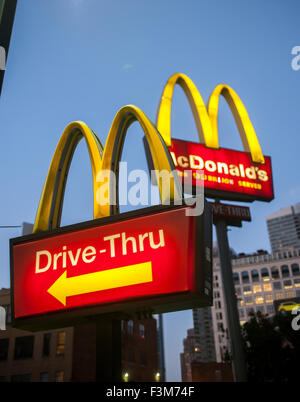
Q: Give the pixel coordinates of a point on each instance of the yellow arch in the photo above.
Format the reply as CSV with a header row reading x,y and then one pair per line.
x,y
206,119
246,130
159,152
163,118
50,206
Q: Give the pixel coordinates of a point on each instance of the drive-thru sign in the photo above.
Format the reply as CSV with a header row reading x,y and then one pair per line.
x,y
158,259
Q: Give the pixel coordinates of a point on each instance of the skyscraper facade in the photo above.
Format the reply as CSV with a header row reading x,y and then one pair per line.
x,y
284,228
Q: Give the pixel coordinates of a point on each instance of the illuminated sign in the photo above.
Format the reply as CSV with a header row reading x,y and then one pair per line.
x,y
156,259
227,174
59,270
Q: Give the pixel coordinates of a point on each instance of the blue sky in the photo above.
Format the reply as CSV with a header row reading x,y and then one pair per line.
x,y
83,60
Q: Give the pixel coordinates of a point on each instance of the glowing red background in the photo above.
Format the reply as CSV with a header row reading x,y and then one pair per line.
x,y
172,266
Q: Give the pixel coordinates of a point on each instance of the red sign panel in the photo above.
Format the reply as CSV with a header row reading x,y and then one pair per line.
x,y
227,174
141,258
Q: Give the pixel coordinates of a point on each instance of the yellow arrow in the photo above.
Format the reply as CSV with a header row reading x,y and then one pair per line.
x,y
103,280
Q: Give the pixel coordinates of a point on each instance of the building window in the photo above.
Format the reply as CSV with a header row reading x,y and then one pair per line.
x,y
61,342
275,273
269,298
277,285
219,316
257,289
259,300
217,304
130,326
270,309
44,377
142,331
297,282
255,275
24,347
248,300
236,278
295,269
220,327
241,302
59,376
4,348
285,271
238,291
290,294
247,290
260,309
245,277
265,274
46,344
267,287
287,284
21,378
279,295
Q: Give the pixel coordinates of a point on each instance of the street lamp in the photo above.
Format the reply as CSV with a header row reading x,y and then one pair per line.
x,y
126,377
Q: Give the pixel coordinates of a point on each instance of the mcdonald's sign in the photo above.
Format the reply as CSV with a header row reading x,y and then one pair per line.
x,y
156,259
226,173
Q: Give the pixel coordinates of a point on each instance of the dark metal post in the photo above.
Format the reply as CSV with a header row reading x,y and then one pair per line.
x,y
162,367
108,350
237,350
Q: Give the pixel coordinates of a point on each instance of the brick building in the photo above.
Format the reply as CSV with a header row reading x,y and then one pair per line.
x,y
69,354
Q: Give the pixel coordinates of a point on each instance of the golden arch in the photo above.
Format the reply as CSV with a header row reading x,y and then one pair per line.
x,y
50,206
206,118
163,118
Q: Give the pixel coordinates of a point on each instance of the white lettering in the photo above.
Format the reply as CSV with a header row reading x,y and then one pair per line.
x,y
89,254
73,260
125,241
161,239
112,243
200,163
37,261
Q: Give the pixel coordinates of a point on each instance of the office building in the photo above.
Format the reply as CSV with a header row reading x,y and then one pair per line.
x,y
284,228
204,336
189,355
260,279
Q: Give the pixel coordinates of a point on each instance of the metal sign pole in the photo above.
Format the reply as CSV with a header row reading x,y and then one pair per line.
x,y
237,350
108,350
162,366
